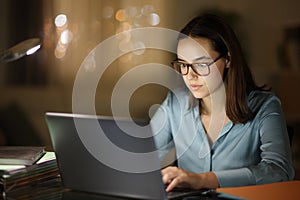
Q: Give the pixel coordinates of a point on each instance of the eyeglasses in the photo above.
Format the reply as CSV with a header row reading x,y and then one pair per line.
x,y
201,69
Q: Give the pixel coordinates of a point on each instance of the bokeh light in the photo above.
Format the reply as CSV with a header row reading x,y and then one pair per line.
x,y
60,20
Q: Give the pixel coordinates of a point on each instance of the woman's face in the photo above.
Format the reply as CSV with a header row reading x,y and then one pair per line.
x,y
199,50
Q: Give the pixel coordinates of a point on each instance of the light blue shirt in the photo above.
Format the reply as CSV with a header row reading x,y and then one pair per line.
x,y
256,152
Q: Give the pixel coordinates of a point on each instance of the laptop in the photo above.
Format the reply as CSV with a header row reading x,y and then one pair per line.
x,y
108,156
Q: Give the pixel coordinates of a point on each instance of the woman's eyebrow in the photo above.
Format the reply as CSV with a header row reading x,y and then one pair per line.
x,y
201,58
196,59
178,59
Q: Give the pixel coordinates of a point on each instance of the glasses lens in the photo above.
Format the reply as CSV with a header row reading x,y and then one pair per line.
x,y
180,67
201,68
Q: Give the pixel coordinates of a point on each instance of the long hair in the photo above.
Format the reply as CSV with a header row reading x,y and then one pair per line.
x,y
238,79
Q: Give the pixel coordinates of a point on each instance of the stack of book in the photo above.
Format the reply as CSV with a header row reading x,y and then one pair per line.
x,y
23,166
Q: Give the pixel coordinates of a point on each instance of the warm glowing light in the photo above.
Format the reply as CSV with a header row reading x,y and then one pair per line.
x,y
60,50
153,19
66,36
58,54
60,20
121,15
125,26
129,18
33,50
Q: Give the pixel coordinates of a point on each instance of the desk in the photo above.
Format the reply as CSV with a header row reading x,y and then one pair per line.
x,y
53,190
281,191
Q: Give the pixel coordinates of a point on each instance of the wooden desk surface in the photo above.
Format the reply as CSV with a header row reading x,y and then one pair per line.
x,y
282,190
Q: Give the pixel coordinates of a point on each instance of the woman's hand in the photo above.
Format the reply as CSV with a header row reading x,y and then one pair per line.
x,y
176,177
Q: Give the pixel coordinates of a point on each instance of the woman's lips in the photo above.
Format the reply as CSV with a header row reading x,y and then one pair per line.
x,y
195,87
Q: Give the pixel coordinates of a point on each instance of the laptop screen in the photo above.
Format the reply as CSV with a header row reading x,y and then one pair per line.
x,y
106,155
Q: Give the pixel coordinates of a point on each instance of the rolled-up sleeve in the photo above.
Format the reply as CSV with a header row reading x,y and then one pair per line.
x,y
235,177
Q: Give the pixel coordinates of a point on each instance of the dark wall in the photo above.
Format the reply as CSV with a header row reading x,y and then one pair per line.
x,y
24,21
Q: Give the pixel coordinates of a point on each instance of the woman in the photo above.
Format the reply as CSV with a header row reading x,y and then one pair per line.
x,y
226,130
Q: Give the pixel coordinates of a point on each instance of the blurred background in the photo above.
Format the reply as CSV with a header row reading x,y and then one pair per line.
x,y
269,32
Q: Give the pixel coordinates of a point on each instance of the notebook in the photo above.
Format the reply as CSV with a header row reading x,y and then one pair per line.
x,y
107,156
20,155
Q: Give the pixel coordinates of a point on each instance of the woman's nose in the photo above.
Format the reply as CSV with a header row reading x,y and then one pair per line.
x,y
191,74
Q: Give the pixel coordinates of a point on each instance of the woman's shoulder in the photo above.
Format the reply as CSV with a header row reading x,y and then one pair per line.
x,y
258,99
261,95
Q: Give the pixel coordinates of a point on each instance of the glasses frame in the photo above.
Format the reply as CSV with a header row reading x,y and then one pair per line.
x,y
191,65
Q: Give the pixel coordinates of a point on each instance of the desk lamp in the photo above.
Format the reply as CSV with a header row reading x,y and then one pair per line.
x,y
21,49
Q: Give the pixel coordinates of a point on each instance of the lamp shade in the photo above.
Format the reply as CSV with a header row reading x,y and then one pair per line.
x,y
21,49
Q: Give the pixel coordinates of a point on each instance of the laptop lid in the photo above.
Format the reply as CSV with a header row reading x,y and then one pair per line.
x,y
106,155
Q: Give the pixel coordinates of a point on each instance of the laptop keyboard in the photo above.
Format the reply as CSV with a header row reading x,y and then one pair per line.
x,y
187,194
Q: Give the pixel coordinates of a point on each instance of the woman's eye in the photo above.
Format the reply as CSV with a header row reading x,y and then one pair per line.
x,y
182,65
200,64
